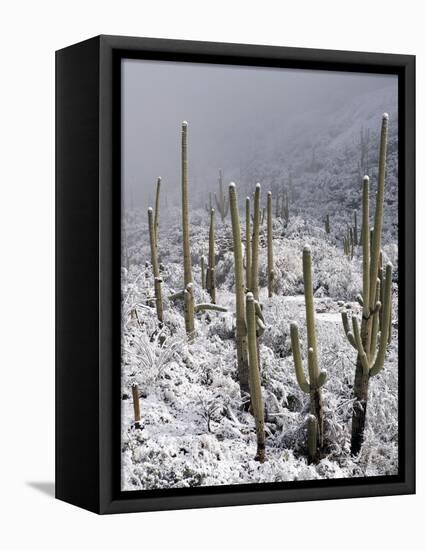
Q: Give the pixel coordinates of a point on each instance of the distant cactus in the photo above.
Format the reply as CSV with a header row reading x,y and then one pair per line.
x,y
254,377
327,224
277,206
221,201
210,280
270,269
316,376
285,207
348,243
355,229
155,266
376,302
241,330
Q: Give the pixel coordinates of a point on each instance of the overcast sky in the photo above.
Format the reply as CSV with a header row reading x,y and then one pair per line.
x,y
230,111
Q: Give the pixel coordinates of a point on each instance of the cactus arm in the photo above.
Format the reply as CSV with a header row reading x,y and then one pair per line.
x,y
359,299
260,326
255,242
366,247
379,363
359,345
377,228
347,331
299,371
248,241
177,295
323,376
375,323
210,307
187,261
258,311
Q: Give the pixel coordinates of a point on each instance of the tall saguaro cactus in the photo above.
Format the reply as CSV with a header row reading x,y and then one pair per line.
x,y
255,243
156,217
155,266
211,259
221,201
317,377
254,377
370,348
187,294
187,260
248,251
241,330
270,271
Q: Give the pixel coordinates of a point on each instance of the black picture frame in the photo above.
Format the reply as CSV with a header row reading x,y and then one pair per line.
x,y
88,276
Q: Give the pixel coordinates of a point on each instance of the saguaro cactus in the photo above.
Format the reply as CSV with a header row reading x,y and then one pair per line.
x,y
155,266
221,201
270,271
370,349
203,278
355,229
248,261
241,331
187,260
156,217
327,224
254,377
188,293
211,260
285,206
278,212
255,243
317,377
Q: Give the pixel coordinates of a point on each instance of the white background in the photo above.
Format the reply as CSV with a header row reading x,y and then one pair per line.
x,y
30,32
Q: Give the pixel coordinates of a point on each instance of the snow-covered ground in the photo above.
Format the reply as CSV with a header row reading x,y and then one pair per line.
x,y
194,430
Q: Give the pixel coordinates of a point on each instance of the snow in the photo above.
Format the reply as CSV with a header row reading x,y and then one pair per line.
x,y
194,429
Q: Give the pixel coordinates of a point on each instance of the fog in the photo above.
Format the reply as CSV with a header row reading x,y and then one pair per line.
x,y
234,115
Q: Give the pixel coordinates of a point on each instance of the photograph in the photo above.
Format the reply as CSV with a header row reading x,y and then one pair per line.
x,y
259,275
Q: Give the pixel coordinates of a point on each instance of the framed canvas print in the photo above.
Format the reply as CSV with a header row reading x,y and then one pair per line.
x,y
235,274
